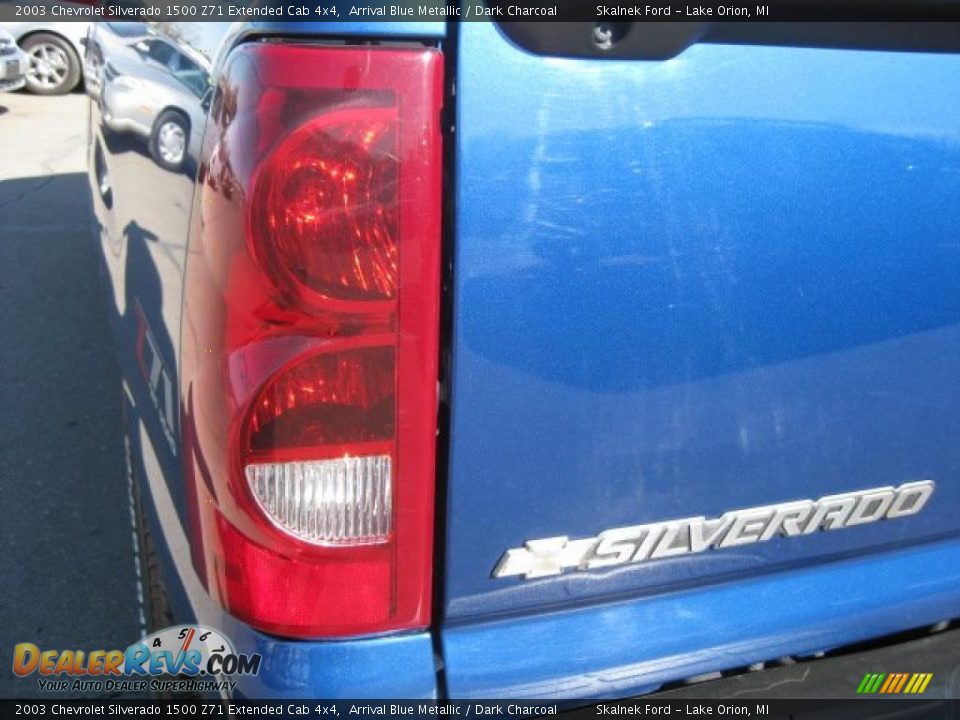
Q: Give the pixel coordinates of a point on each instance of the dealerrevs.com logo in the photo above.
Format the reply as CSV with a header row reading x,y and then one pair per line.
x,y
185,658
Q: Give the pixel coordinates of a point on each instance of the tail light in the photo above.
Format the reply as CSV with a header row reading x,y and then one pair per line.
x,y
310,339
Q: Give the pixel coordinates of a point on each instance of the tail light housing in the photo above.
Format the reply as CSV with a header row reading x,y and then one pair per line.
x,y
309,338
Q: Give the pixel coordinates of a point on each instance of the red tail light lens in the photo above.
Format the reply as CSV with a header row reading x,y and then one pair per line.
x,y
325,401
309,340
328,199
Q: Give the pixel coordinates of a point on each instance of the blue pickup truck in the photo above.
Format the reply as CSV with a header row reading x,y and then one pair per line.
x,y
492,359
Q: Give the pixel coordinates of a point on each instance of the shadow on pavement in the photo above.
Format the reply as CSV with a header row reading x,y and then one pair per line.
x,y
67,567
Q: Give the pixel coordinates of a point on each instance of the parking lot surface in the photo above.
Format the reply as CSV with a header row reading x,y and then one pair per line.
x,y
67,566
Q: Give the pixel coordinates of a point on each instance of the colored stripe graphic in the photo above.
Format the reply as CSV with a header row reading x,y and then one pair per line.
x,y
894,683
918,683
892,679
870,683
903,681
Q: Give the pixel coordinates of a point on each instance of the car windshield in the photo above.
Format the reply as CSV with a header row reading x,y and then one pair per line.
x,y
127,29
189,73
160,52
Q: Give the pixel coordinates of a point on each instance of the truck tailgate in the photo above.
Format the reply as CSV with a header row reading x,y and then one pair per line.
x,y
727,280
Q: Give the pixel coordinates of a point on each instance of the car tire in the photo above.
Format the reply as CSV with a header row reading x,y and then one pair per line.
x,y
156,607
169,140
54,64
157,613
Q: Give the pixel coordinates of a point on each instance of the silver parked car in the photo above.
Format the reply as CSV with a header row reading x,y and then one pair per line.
x,y
13,63
108,39
152,87
54,50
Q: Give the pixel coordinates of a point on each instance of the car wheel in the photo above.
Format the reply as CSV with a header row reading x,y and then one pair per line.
x,y
168,141
54,66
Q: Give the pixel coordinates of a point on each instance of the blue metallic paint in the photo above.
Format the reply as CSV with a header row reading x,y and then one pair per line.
x,y
624,648
397,666
681,288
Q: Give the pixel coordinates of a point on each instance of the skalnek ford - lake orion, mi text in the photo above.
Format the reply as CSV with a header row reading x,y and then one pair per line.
x,y
683,11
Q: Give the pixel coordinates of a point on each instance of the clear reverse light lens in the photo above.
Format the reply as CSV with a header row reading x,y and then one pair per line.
x,y
340,501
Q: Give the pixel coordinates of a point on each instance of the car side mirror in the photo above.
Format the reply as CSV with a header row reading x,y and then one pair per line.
x,y
141,47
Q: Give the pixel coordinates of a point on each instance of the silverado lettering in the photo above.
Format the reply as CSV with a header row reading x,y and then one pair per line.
x,y
635,544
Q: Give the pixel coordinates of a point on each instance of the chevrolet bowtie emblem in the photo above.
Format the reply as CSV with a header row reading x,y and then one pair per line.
x,y
539,558
640,543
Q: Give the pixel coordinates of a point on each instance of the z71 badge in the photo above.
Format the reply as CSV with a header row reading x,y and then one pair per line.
x,y
639,543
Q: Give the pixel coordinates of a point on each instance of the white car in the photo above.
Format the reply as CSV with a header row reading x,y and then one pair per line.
x,y
54,50
13,63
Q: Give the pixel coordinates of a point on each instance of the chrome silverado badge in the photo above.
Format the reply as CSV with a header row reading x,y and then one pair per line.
x,y
638,543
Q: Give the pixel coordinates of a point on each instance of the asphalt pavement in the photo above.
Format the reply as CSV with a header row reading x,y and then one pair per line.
x,y
66,566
